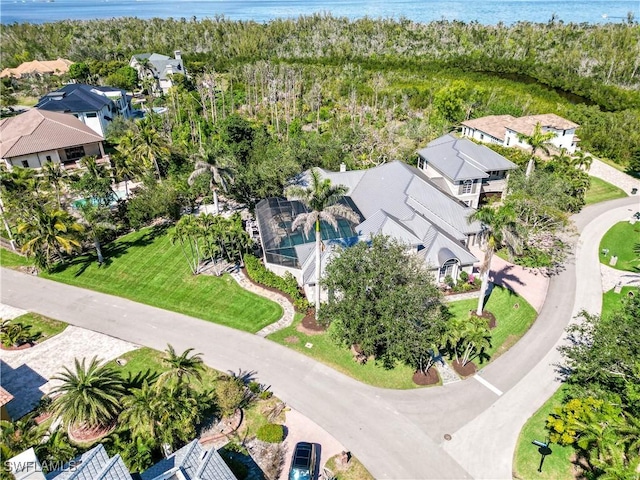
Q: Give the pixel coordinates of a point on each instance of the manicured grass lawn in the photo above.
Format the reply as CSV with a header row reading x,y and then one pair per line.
x,y
353,471
620,240
145,267
341,359
601,191
45,327
612,301
512,323
12,260
557,466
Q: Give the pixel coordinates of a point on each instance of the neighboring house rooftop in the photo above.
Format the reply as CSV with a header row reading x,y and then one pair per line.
x,y
94,464
36,131
461,159
493,125
525,125
162,64
78,97
191,462
5,397
40,67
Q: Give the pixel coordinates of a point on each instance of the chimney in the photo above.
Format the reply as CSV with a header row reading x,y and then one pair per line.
x,y
343,167
177,55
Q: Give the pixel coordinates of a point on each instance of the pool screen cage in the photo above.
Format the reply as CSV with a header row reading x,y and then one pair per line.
x,y
275,216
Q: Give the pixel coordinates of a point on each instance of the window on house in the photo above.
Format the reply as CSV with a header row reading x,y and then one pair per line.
x,y
466,187
421,163
48,158
25,163
508,141
92,115
482,136
74,153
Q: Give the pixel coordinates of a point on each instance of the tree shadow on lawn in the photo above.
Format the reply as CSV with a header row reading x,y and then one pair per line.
x,y
111,251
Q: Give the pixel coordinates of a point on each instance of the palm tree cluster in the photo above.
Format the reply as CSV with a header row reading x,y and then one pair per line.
x,y
147,411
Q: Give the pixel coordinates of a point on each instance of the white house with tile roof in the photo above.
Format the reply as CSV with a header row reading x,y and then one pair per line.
x,y
36,137
464,169
393,199
504,130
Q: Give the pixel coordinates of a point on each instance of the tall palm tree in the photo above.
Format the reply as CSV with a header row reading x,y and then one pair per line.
x,y
207,163
500,229
321,198
47,233
149,146
96,220
140,411
56,177
90,395
538,140
127,166
19,435
181,367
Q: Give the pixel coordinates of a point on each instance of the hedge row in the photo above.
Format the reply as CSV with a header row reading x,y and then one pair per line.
x,y
286,284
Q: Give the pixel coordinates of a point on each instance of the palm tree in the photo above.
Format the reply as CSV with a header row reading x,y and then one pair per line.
x,y
219,175
96,220
47,233
140,411
127,168
19,435
538,140
89,395
321,198
149,146
500,228
55,176
181,367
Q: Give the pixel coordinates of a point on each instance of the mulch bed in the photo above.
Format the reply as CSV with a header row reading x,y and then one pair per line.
x,y
466,370
430,378
490,317
86,434
309,322
19,347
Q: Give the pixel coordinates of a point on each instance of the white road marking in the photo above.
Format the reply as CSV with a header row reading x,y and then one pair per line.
x,y
495,390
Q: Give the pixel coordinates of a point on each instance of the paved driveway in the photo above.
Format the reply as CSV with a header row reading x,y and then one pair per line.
x,y
396,434
26,373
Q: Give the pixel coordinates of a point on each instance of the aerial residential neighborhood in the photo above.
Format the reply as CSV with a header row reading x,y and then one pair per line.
x,y
318,248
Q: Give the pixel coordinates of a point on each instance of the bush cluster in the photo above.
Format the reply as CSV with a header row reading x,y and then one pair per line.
x,y
271,433
286,284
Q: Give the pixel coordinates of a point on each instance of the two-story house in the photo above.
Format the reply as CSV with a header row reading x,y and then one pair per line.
x,y
159,69
505,130
96,107
467,171
36,137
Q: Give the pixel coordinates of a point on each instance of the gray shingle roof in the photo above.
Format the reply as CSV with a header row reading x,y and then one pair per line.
x,y
193,464
461,159
94,464
76,97
162,64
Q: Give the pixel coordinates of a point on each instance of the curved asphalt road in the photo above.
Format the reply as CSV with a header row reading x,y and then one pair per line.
x,y
396,434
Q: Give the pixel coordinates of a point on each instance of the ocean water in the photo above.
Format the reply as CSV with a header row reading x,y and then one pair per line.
x,y
487,12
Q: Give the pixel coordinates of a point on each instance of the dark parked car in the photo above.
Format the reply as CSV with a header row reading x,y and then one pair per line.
x,y
303,464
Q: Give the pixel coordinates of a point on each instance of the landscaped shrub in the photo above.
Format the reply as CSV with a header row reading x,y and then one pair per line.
x,y
271,433
464,276
287,283
230,395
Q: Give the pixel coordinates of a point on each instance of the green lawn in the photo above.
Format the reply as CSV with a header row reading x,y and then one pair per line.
x,y
612,300
601,191
41,326
145,267
512,323
620,241
12,260
557,465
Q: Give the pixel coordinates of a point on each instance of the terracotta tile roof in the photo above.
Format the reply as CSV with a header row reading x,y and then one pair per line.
x,y
525,125
5,397
493,125
38,131
50,67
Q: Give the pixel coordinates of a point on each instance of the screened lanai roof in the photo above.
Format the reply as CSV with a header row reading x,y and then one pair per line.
x,y
275,216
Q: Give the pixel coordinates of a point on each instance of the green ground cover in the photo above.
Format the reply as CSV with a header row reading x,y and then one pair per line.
x,y
145,267
41,326
512,324
557,465
612,301
11,260
600,191
620,241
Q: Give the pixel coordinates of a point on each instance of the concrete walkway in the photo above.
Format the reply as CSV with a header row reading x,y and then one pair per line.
x,y
398,434
614,176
